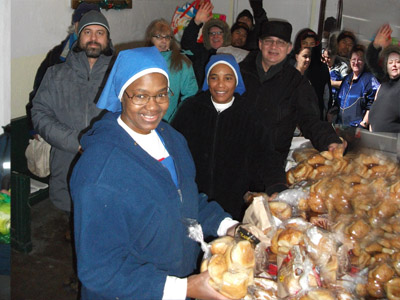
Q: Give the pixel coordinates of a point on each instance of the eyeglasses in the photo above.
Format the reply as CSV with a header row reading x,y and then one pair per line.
x,y
143,99
214,33
270,42
162,37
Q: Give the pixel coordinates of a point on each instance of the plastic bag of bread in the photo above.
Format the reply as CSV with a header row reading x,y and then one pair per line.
x,y
320,244
263,289
297,273
289,203
258,213
231,266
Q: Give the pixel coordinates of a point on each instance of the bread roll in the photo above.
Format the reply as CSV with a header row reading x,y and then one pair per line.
x,y
274,242
234,285
219,245
382,273
217,267
242,255
359,229
392,288
375,289
316,160
303,154
290,237
281,210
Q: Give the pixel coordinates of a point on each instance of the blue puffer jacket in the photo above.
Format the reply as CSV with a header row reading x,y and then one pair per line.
x,y
355,98
129,216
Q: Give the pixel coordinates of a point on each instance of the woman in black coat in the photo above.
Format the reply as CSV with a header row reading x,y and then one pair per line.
x,y
233,154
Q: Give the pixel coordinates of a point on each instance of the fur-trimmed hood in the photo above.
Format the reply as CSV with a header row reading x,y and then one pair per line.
x,y
221,24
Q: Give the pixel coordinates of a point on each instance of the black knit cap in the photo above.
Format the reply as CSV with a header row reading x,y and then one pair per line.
x,y
82,9
239,25
245,13
279,29
93,18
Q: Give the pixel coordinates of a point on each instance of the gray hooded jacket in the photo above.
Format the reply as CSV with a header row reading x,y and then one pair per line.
x,y
64,107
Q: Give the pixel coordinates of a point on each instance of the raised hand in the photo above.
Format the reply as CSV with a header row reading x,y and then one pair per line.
x,y
383,37
204,13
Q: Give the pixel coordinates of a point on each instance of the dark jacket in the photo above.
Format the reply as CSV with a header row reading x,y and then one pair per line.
x,y
232,153
384,115
372,60
130,219
202,51
318,74
260,17
286,99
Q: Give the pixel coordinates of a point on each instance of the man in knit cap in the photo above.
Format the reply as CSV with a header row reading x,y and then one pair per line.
x,y
58,54
64,105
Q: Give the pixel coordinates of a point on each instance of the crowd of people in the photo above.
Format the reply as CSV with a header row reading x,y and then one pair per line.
x,y
148,139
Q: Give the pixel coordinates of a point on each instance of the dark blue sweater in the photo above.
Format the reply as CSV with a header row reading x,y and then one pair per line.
x,y
129,215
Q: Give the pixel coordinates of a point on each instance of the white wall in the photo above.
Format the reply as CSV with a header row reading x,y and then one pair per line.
x,y
5,68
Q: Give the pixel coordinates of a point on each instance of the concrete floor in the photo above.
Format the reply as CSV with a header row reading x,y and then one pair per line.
x,y
41,274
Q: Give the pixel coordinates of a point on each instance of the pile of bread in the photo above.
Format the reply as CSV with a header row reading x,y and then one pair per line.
x,y
355,201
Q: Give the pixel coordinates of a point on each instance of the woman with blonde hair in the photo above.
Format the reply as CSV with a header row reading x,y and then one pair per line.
x,y
182,77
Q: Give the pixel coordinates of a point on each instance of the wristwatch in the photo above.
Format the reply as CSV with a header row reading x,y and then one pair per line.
x,y
364,123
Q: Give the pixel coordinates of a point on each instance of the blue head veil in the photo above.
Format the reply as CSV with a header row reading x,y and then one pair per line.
x,y
130,65
230,61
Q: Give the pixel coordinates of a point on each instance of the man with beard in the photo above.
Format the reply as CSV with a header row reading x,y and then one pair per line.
x,y
65,104
57,55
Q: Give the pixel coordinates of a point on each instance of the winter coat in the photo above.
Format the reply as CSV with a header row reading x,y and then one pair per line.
x,y
232,153
63,108
384,115
182,83
53,57
202,51
285,100
130,218
355,98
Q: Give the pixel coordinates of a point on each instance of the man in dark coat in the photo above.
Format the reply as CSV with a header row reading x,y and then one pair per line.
x,y
284,97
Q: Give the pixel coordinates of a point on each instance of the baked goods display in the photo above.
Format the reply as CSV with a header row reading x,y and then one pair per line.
x,y
335,234
356,199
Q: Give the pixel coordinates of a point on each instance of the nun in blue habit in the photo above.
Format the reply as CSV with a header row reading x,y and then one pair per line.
x,y
132,190
232,151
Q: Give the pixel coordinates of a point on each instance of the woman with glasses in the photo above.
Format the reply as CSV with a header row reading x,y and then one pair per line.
x,y
357,92
182,79
216,34
134,192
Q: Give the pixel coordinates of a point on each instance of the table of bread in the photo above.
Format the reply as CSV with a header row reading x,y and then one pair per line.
x,y
335,234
